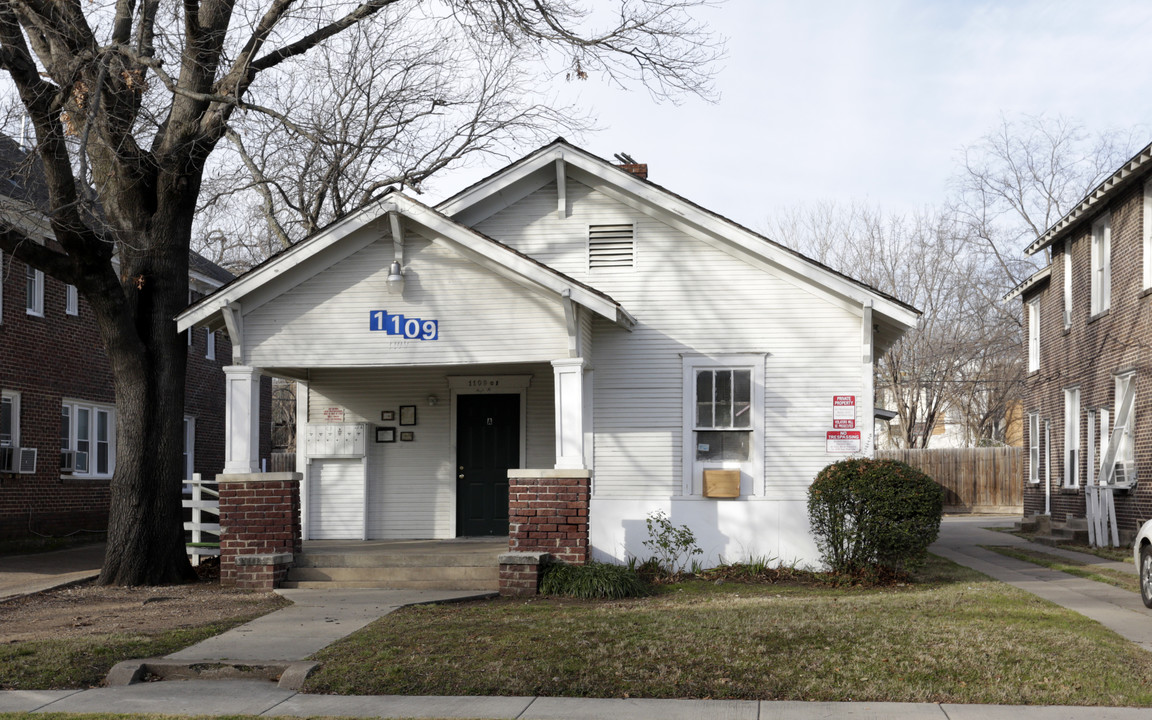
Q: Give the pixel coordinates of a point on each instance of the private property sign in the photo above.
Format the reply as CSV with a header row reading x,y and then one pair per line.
x,y
844,412
843,442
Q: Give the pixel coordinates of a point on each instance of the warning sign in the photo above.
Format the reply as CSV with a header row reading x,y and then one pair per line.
x,y
843,442
334,414
843,412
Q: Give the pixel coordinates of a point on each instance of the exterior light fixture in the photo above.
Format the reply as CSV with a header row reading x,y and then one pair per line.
x,y
432,400
395,278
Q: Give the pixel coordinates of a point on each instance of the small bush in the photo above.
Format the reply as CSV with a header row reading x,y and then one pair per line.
x,y
593,581
673,546
874,517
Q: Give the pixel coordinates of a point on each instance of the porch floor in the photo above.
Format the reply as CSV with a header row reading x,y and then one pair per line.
x,y
454,564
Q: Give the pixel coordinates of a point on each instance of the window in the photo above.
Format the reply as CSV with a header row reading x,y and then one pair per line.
x,y
1072,437
189,457
89,430
611,246
71,300
1125,453
35,291
1033,447
210,350
723,419
1148,235
9,419
1067,285
1033,335
189,331
1,288
1101,264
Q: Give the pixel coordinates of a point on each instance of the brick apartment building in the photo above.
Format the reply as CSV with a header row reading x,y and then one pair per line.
x,y
56,395
1088,318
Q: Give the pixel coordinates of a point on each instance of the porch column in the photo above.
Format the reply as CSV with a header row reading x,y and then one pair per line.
x,y
569,381
241,420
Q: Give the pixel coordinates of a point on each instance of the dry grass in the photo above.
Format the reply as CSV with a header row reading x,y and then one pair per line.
x,y
1115,578
954,636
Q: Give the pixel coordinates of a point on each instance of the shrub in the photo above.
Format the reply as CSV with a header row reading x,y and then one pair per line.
x,y
672,546
874,516
596,580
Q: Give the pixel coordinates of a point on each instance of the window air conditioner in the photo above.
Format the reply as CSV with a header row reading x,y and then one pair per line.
x,y
27,461
67,461
8,459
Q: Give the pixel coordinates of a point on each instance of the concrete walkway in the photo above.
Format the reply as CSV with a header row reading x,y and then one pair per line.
x,y
27,574
1118,610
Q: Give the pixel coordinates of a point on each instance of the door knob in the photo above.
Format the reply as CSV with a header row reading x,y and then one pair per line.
x,y
460,476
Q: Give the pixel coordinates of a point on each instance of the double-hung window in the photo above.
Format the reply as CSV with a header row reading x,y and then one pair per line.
x,y
1033,335
89,431
9,419
1072,437
1067,285
71,300
1125,452
35,291
1034,447
1101,264
210,347
724,419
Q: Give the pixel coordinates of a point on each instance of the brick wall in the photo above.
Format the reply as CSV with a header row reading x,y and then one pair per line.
x,y
548,512
57,356
1088,355
259,521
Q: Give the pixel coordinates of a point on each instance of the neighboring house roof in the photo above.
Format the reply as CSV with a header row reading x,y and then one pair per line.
x,y
1030,282
1136,167
510,184
282,268
22,180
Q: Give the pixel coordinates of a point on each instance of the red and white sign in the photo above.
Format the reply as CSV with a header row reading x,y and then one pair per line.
x,y
334,414
843,441
843,412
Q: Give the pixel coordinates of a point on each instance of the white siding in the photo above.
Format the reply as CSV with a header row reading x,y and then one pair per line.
x,y
335,499
324,321
689,297
412,485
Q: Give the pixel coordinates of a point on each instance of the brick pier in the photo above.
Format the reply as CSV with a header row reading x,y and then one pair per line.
x,y
547,520
259,528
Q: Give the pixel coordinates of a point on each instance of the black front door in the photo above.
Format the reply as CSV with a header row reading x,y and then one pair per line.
x,y
487,446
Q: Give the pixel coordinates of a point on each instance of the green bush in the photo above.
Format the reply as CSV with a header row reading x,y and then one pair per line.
x,y
596,580
672,546
874,515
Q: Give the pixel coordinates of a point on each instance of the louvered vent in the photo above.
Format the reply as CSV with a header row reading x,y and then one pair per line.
x,y
610,246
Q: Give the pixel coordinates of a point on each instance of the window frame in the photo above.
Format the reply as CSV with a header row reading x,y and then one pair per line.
x,y
94,412
189,450
752,470
1033,335
1101,283
1147,235
1034,447
1072,437
1067,286
1126,453
210,345
13,398
71,300
34,299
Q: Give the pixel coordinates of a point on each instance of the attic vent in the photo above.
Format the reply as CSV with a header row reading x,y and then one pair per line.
x,y
610,246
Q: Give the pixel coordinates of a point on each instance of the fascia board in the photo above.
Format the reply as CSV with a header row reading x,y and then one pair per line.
x,y
503,260
483,193
297,255
1031,282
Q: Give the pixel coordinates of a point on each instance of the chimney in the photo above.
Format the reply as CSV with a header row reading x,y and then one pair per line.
x,y
628,164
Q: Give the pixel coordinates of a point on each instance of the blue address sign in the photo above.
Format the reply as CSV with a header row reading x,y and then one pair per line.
x,y
410,328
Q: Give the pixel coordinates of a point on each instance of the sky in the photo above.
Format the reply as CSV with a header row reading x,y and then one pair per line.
x,y
869,101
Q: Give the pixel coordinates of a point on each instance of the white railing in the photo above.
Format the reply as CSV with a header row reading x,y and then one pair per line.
x,y
204,501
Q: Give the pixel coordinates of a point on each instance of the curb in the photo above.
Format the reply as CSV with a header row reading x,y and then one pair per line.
x,y
287,675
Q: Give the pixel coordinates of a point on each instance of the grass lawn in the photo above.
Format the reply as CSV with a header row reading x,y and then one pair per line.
x,y
1120,554
1124,581
953,636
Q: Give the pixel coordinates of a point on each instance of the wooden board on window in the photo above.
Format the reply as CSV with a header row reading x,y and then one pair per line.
x,y
721,483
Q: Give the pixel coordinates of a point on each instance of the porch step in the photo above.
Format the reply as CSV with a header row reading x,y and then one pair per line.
x,y
390,585
414,565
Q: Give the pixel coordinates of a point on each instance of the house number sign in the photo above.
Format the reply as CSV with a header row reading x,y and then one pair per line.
x,y
405,327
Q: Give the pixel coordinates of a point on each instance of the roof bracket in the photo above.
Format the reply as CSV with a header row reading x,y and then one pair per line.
x,y
561,189
571,321
234,322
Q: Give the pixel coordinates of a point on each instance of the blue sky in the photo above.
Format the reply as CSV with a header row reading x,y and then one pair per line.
x,y
870,101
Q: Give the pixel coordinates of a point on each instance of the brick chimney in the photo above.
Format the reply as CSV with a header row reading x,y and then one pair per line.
x,y
638,169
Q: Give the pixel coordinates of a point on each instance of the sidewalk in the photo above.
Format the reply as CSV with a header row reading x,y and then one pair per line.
x,y
26,574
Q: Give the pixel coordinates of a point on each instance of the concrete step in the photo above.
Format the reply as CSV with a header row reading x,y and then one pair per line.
x,y
395,560
401,574
477,585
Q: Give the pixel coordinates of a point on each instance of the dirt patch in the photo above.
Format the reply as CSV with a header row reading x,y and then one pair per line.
x,y
87,609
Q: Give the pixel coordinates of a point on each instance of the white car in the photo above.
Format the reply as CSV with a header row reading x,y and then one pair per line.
x,y
1142,554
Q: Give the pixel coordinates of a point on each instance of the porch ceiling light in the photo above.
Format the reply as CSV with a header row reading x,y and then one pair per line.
x,y
395,278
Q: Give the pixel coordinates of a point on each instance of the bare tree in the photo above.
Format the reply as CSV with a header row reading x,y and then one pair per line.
x,y
130,101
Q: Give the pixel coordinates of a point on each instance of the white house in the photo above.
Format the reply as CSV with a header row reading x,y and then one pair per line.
x,y
562,313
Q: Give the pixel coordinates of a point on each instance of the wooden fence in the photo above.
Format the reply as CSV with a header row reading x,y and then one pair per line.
x,y
282,462
978,480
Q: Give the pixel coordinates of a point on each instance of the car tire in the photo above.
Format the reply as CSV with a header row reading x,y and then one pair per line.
x,y
1146,574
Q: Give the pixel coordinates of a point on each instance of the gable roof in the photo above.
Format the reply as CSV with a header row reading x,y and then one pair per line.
x,y
1136,168
274,276
510,184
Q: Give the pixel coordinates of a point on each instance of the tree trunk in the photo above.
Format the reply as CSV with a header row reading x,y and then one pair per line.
x,y
145,526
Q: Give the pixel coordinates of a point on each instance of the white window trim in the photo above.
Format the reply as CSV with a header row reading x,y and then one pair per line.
x,y
210,345
1033,447
1101,282
71,300
14,397
1034,335
2,287
1072,437
1127,442
1147,235
189,450
754,467
94,409
34,305
1067,285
